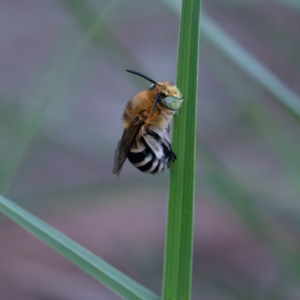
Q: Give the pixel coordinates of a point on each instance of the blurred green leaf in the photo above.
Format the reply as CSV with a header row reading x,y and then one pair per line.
x,y
30,129
249,64
96,267
86,16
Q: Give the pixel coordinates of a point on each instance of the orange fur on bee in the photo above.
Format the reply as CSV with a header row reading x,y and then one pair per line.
x,y
142,103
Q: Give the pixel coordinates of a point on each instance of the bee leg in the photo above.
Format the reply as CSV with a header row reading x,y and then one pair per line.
x,y
168,148
174,157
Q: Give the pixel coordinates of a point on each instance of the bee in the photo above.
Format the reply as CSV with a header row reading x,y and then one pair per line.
x,y
147,118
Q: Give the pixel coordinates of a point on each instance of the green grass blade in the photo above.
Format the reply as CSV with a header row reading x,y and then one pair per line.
x,y
96,267
179,237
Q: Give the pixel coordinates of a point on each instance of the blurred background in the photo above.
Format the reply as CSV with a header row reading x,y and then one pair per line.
x,y
63,88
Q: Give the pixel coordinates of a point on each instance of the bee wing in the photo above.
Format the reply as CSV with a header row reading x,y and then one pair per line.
x,y
125,143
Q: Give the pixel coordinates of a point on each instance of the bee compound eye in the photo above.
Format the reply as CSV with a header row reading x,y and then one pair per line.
x,y
172,103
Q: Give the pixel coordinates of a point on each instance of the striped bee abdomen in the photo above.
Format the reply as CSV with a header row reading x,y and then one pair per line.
x,y
151,153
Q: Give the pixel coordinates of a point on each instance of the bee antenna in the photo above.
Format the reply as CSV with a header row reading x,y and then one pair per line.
x,y
155,102
142,75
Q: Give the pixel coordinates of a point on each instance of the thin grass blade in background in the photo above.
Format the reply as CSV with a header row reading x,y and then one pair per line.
x,y
179,236
249,64
93,265
29,131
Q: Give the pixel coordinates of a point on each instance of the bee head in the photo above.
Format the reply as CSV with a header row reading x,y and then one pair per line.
x,y
167,94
